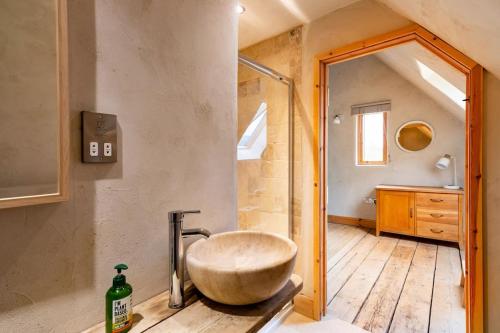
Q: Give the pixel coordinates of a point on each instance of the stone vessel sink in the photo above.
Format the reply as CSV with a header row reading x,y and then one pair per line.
x,y
241,267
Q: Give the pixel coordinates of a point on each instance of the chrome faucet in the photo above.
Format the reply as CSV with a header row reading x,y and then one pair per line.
x,y
176,254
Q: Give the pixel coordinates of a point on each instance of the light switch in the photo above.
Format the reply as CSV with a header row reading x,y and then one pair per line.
x,y
99,137
108,150
94,148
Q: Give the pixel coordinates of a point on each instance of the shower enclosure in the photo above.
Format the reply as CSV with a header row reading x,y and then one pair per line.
x,y
265,148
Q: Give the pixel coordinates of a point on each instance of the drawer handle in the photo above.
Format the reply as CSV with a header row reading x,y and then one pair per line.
x,y
437,200
436,231
437,215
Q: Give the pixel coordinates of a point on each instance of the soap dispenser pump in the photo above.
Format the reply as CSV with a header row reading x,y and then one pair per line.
x,y
119,303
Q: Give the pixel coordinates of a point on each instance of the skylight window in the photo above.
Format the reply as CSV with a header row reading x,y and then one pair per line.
x,y
254,140
440,83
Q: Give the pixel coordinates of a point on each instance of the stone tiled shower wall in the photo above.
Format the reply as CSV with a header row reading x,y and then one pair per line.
x,y
282,53
263,183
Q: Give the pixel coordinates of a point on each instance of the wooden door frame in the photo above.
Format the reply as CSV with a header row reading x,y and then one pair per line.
x,y
473,165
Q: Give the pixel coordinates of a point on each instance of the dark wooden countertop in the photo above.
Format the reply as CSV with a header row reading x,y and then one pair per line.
x,y
204,315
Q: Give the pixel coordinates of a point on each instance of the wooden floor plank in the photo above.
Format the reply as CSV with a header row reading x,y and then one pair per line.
x,y
349,242
376,314
342,271
339,235
347,303
413,309
337,231
401,294
447,313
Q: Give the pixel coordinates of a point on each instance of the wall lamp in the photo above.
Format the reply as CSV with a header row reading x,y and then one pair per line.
x,y
337,120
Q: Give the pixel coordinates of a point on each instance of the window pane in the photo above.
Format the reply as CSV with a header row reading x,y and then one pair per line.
x,y
253,142
373,137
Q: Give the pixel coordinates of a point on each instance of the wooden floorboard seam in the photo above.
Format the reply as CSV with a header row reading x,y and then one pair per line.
x,y
349,240
350,275
447,312
374,283
347,279
432,293
346,252
401,291
414,304
354,253
347,303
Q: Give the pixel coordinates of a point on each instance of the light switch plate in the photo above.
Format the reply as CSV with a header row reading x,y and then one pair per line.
x,y
99,137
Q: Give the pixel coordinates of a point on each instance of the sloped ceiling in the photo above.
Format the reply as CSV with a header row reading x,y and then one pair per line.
x,y
407,59
266,18
472,27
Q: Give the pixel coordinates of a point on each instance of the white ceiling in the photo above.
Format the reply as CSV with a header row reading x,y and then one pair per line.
x,y
266,18
473,27
405,58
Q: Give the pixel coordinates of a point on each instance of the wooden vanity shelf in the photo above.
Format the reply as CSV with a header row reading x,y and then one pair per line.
x,y
202,315
429,212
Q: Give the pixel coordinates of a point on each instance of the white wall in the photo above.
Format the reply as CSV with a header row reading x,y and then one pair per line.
x,y
168,70
365,80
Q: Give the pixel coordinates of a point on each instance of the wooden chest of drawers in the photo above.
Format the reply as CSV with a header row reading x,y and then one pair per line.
x,y
429,212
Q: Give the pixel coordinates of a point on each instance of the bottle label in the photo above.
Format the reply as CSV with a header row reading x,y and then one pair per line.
x,y
122,314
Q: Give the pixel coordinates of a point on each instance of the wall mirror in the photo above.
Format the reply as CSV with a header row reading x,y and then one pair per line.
x,y
414,136
33,111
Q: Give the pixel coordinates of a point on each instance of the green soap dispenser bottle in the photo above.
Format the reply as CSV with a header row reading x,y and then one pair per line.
x,y
119,304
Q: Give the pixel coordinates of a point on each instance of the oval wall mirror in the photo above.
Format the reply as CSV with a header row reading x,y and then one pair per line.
x,y
414,136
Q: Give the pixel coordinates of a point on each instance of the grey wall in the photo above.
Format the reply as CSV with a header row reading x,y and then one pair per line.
x,y
366,80
168,70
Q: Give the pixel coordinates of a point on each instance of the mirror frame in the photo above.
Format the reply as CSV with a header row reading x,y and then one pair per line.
x,y
409,123
62,103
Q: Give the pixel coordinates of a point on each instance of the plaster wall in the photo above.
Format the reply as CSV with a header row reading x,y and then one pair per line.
x,y
366,80
260,20
407,59
470,26
140,60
